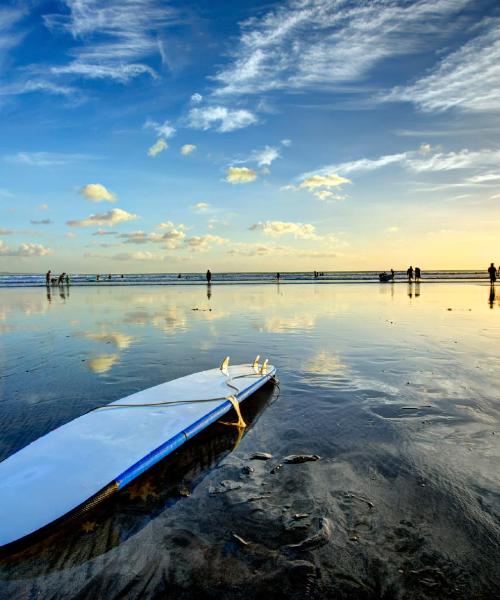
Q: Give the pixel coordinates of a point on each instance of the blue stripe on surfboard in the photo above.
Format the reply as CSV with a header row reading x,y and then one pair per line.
x,y
180,438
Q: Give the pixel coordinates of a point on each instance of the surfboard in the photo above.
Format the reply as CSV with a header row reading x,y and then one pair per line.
x,y
72,468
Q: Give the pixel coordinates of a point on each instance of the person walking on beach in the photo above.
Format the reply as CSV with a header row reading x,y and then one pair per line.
x,y
60,281
47,277
417,273
409,272
492,273
278,277
209,276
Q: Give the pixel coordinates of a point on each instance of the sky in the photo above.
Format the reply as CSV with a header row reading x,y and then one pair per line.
x,y
159,136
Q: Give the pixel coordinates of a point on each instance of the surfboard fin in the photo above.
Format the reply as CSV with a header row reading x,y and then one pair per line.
x,y
263,369
225,365
240,423
255,364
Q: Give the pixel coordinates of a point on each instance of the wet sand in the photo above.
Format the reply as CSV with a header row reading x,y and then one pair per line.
x,y
395,388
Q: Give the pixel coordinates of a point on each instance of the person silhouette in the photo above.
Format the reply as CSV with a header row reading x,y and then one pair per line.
x,y
417,273
409,272
492,272
208,276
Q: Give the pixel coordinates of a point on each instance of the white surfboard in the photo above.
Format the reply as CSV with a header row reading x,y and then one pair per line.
x,y
82,462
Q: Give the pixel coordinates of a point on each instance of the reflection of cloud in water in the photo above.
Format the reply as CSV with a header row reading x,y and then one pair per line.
x,y
170,320
276,324
120,340
34,307
205,345
325,363
102,363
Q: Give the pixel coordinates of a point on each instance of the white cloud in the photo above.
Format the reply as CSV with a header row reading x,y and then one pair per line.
x,y
43,206
109,219
286,142
159,146
468,79
202,243
25,250
113,40
220,118
196,98
173,234
425,148
165,129
328,180
202,207
188,149
317,44
5,231
304,231
96,192
71,235
327,196
237,175
41,222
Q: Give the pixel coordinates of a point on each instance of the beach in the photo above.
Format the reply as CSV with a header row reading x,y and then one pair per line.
x,y
393,387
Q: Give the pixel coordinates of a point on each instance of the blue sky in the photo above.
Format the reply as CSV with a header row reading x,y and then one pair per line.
x,y
148,135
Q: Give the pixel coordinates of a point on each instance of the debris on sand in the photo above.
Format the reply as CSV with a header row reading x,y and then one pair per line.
x,y
324,533
261,456
295,459
240,540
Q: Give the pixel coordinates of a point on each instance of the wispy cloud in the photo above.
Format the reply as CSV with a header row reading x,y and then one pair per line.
x,y
220,118
96,192
47,159
10,34
468,79
41,222
114,40
104,232
165,129
109,219
264,157
415,161
313,43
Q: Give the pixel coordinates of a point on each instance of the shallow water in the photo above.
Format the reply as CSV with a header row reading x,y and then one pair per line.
x,y
394,387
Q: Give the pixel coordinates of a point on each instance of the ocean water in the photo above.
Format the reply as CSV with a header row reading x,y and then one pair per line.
x,y
395,388
38,279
